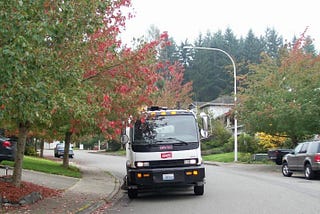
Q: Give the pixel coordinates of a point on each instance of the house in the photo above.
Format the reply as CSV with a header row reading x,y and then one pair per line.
x,y
220,108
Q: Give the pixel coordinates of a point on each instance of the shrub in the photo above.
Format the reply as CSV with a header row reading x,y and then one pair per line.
x,y
30,151
229,146
218,139
247,143
245,157
113,146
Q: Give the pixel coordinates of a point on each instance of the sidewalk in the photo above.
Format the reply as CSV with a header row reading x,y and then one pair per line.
x,y
90,194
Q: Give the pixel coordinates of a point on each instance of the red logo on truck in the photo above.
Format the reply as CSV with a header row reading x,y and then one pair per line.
x,y
166,155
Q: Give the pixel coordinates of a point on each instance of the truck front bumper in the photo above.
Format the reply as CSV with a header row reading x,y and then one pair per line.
x,y
165,177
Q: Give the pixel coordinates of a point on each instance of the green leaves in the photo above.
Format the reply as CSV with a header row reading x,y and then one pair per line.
x,y
41,43
282,98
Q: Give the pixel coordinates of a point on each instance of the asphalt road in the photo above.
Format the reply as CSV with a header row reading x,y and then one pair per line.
x,y
230,188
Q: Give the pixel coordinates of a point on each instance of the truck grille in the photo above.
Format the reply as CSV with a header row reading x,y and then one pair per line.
x,y
167,163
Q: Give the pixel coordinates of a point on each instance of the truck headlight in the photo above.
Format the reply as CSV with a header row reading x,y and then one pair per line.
x,y
142,164
190,161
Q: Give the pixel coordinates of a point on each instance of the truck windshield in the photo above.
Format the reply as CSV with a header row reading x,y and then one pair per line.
x,y
177,129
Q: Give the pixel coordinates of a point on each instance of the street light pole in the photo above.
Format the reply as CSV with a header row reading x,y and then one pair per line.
x,y
235,93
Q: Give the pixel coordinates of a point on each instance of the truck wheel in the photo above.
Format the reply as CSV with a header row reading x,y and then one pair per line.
x,y
132,193
285,170
278,161
199,190
308,172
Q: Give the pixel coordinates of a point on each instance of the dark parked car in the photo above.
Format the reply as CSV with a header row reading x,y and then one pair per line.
x,y
304,158
7,149
59,151
276,155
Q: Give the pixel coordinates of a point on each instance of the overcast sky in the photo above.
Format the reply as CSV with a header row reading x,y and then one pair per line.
x,y
188,18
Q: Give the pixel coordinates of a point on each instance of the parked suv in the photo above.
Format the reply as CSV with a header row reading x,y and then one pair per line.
x,y
7,149
304,158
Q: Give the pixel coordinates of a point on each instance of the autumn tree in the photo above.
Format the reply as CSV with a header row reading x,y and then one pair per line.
x,y
41,47
172,91
81,118
123,78
283,98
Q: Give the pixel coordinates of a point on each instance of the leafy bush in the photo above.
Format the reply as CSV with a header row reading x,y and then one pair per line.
x,y
245,157
247,143
229,146
270,141
213,151
92,142
113,146
218,139
30,151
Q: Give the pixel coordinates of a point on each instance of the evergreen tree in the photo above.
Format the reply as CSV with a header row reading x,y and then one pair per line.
x,y
211,72
273,43
252,48
207,69
309,46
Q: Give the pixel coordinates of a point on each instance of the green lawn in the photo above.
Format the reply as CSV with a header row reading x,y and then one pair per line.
x,y
229,157
47,166
225,157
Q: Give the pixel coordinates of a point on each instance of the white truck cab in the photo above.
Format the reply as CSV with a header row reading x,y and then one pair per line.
x,y
163,150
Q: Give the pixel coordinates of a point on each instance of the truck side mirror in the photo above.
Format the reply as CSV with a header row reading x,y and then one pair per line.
x,y
124,139
204,128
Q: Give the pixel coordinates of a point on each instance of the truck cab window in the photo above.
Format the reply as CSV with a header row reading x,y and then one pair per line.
x,y
159,128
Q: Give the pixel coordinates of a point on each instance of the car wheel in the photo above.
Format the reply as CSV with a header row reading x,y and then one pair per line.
x,y
198,190
132,193
285,170
308,172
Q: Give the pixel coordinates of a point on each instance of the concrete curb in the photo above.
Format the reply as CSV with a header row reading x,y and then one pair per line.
x,y
96,205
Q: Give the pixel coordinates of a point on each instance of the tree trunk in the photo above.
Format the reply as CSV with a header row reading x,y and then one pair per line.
x,y
41,147
66,149
17,171
294,140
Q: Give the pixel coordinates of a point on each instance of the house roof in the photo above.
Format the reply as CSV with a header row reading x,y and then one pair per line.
x,y
220,101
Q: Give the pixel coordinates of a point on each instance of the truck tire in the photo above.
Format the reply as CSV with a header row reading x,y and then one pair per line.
x,y
132,193
198,190
279,161
285,170
308,172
